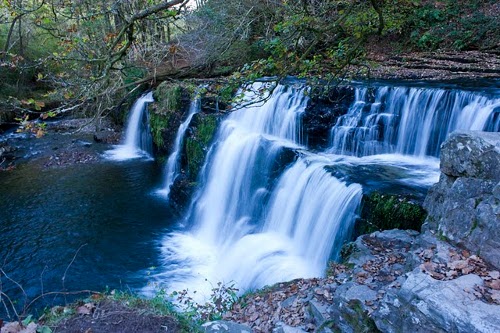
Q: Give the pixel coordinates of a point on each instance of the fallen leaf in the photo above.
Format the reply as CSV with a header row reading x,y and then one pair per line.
x,y
83,310
495,284
458,264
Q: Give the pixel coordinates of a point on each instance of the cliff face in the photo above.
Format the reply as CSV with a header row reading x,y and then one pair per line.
x,y
464,206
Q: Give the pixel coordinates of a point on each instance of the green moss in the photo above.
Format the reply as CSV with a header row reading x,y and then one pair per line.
x,y
441,236
206,130
166,111
385,212
356,317
475,224
197,144
158,123
195,157
169,97
347,250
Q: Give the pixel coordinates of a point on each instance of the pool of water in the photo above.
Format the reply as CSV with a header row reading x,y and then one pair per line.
x,y
95,225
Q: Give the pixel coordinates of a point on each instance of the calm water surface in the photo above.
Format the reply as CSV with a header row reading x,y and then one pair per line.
x,y
105,210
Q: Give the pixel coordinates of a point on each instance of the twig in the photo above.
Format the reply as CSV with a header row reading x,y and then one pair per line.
x,y
64,293
72,260
41,277
16,283
5,296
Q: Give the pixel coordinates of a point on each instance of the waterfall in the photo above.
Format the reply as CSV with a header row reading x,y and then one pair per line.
x,y
314,209
270,210
138,141
250,139
257,221
172,166
410,121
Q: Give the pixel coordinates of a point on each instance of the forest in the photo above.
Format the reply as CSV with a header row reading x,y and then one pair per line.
x,y
66,56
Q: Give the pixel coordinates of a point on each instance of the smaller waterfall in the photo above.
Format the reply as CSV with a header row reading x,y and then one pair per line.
x,y
138,141
172,167
314,209
410,121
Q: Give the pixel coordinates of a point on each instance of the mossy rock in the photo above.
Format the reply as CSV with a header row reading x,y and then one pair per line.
x,y
158,123
203,129
171,104
385,212
169,97
358,318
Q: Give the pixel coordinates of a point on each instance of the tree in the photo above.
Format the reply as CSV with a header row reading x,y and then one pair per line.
x,y
94,49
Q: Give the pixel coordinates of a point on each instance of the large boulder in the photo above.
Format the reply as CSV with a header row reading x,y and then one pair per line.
x,y
464,206
424,304
471,154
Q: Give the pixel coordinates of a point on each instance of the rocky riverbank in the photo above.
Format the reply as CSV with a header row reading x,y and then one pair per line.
x,y
404,281
393,281
63,143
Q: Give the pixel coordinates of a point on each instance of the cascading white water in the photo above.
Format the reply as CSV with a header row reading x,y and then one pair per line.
x,y
410,121
172,166
268,210
314,209
249,141
249,228
138,141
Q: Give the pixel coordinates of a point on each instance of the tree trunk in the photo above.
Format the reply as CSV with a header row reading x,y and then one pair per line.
x,y
377,5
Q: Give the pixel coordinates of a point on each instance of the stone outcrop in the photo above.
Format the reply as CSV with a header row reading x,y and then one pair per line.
x,y
381,211
464,206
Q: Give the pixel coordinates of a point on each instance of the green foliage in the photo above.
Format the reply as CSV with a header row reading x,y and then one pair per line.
x,y
222,298
159,305
459,25
385,212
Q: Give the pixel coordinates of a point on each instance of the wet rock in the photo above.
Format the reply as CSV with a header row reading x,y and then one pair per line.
x,y
359,292
318,312
82,143
383,212
109,137
13,327
6,151
394,281
464,206
424,304
224,326
324,107
351,317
